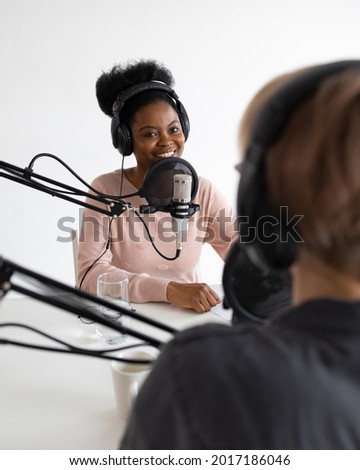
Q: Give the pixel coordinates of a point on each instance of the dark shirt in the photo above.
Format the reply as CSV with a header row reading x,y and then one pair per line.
x,y
291,384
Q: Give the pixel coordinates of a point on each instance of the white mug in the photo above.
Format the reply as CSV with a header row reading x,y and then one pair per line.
x,y
128,379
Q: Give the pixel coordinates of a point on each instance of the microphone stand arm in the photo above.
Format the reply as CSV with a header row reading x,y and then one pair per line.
x,y
28,178
75,303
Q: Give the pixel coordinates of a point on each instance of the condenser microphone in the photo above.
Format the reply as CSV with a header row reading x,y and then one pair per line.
x,y
180,209
170,185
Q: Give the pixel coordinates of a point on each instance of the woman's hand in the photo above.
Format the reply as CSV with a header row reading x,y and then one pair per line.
x,y
198,297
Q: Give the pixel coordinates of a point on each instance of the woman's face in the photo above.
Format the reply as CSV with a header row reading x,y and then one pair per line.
x,y
157,134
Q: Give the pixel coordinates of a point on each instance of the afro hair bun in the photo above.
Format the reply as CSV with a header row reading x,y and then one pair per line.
x,y
121,77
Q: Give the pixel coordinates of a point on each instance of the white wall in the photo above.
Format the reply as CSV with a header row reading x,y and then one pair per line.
x,y
220,52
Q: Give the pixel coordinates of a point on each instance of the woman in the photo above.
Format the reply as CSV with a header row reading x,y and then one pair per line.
x,y
153,125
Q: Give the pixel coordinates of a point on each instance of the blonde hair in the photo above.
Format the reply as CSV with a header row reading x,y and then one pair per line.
x,y
314,166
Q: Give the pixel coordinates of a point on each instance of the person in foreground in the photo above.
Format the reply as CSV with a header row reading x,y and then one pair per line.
x,y
149,121
292,382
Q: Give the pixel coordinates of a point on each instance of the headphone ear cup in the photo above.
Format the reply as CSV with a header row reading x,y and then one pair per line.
x,y
184,119
274,246
252,292
121,137
114,128
124,140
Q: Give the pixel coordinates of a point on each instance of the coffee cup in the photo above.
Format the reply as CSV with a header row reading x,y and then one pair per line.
x,y
128,378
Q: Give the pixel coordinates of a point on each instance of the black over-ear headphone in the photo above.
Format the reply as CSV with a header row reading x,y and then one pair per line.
x,y
269,260
120,132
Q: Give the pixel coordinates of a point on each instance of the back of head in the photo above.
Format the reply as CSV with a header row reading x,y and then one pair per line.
x,y
313,167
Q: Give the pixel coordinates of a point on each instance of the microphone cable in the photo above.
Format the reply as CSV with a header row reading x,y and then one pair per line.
x,y
29,170
98,353
54,157
107,246
178,251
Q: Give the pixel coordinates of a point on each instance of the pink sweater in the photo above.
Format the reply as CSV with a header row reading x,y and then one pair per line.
x,y
131,251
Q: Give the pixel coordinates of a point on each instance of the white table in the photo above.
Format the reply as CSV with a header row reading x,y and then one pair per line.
x,y
61,401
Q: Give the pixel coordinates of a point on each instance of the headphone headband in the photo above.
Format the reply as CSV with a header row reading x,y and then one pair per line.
x,y
277,110
128,93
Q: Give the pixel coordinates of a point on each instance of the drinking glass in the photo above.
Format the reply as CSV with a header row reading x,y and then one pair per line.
x,y
113,287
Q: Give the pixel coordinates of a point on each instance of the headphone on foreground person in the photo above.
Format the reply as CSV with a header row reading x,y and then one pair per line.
x,y
121,133
256,279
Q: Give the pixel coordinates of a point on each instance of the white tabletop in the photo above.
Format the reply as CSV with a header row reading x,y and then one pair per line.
x,y
63,401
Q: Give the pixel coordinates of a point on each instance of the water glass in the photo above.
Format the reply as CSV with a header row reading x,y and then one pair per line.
x,y
113,287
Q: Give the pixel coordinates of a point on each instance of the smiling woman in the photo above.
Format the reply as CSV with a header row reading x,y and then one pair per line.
x,y
149,121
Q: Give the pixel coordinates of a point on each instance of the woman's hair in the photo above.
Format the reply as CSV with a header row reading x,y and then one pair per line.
x,y
314,167
121,77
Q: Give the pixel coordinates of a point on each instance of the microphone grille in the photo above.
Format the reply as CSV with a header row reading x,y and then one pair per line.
x,y
182,188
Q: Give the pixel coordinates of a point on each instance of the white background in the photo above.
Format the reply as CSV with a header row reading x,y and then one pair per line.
x,y
220,53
